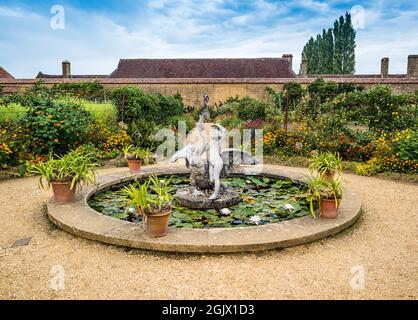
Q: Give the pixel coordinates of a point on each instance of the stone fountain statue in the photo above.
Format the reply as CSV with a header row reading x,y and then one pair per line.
x,y
207,162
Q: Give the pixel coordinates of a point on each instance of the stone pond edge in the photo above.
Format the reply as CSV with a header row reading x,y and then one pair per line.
x,y
79,219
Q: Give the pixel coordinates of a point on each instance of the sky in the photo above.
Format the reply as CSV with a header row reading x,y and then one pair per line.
x,y
37,35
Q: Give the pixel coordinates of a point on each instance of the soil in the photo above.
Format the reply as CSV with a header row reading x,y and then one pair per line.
x,y
382,245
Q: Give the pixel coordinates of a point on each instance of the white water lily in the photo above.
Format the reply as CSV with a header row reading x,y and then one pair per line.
x,y
225,212
131,210
288,206
255,219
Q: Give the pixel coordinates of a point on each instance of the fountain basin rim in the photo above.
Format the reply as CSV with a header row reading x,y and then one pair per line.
x,y
80,219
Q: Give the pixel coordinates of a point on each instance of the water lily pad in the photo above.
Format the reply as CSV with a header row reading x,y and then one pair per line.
x,y
261,196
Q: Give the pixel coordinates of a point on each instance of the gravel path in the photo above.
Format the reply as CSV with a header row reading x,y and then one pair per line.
x,y
383,242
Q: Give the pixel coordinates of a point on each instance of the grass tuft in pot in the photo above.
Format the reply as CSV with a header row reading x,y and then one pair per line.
x,y
153,200
327,164
65,174
325,192
137,156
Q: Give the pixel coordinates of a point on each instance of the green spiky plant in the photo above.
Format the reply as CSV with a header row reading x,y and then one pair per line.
x,y
326,163
321,188
74,168
135,153
139,196
150,197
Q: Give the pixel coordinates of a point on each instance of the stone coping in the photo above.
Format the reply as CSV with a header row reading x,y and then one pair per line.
x,y
81,220
372,79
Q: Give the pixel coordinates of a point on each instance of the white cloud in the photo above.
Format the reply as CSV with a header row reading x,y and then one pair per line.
x,y
16,13
94,42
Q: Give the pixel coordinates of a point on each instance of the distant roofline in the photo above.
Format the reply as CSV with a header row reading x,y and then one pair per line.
x,y
7,74
133,81
252,67
203,58
42,75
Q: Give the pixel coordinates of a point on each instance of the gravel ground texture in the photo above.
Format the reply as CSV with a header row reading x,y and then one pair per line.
x,y
382,245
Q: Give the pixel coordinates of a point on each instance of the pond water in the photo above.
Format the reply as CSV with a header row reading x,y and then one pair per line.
x,y
264,200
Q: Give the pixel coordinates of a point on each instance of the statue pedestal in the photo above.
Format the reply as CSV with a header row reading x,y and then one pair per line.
x,y
191,198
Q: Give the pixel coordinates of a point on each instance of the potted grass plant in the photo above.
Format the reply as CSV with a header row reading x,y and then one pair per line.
x,y
153,200
65,174
136,157
327,192
327,164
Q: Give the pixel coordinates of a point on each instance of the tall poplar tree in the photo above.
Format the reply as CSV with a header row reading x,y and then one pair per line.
x,y
349,38
333,51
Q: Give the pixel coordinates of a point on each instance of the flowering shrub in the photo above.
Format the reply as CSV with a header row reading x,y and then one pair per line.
x,y
350,146
103,143
379,109
114,144
290,143
5,150
256,124
14,144
395,152
98,132
56,127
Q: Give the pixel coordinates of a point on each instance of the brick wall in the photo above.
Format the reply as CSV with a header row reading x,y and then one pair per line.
x,y
218,90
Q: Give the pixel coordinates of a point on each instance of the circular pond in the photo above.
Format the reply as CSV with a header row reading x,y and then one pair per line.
x,y
263,200
272,194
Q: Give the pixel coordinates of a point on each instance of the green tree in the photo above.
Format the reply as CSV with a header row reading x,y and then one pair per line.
x,y
333,51
349,44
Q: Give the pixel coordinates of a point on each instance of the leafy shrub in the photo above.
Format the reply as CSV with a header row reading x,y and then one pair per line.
x,y
15,144
143,112
89,90
379,109
393,152
133,103
251,109
230,122
370,168
324,90
407,146
168,107
188,119
56,127
328,90
294,93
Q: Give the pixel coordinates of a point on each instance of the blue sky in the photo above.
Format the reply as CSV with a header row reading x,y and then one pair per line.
x,y
98,33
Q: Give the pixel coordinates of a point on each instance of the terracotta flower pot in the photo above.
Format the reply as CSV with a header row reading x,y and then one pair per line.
x,y
157,224
134,165
328,208
62,192
329,175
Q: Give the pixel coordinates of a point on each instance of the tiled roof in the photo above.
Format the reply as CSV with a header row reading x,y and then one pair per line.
x,y
4,74
42,75
204,68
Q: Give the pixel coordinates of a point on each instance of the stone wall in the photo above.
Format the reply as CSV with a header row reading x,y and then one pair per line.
x,y
218,90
